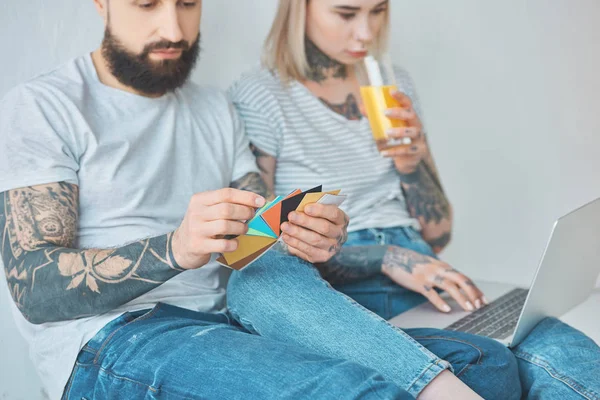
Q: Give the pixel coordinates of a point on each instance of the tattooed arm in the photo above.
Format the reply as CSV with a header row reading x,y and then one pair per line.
x,y
427,202
50,280
263,183
353,263
252,182
425,197
422,274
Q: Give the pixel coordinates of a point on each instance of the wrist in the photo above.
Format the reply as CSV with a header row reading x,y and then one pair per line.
x,y
411,176
385,264
176,253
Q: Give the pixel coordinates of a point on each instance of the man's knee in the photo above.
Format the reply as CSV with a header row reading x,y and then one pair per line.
x,y
350,380
271,280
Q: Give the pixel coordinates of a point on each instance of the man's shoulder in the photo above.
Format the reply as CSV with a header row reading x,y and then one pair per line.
x,y
62,83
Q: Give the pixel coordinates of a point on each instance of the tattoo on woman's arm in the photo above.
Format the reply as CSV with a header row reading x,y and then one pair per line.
x,y
354,263
424,195
399,257
252,182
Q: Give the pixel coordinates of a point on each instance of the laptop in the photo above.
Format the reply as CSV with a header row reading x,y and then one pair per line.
x,y
565,277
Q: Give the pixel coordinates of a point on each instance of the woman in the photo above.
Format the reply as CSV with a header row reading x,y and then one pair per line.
x,y
302,114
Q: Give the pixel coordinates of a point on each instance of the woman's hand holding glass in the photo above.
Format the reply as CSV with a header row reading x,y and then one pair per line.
x,y
407,157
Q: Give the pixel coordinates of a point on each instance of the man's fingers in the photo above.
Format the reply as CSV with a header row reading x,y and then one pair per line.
x,y
229,195
227,211
318,225
321,225
222,228
218,246
435,299
307,236
295,252
315,254
329,212
468,287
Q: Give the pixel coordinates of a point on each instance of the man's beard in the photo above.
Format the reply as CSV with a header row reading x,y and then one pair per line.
x,y
138,71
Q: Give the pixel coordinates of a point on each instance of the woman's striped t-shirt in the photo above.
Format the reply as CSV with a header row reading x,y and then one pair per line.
x,y
314,145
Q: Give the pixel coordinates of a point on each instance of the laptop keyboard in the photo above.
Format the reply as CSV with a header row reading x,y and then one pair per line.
x,y
496,320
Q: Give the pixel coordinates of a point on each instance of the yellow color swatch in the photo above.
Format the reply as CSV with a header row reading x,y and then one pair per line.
x,y
311,198
246,246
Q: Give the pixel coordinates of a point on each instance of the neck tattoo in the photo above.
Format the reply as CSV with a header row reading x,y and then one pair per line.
x,y
321,65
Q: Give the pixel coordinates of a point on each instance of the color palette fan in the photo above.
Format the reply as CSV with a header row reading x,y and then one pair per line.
x,y
264,230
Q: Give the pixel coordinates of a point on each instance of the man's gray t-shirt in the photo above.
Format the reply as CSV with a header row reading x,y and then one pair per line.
x,y
137,162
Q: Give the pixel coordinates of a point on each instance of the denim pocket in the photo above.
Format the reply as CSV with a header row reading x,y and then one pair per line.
x,y
123,321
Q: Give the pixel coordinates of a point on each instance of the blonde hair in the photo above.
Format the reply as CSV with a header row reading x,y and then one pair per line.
x,y
284,50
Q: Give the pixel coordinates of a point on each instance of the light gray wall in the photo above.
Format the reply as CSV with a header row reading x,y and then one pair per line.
x,y
509,90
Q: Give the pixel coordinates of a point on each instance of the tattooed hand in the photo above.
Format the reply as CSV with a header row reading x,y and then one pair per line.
x,y
406,157
317,234
422,274
210,217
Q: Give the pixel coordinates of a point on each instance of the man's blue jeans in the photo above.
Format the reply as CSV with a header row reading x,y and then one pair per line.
x,y
288,335
556,361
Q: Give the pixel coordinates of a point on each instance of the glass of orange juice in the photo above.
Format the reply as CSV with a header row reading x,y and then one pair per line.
x,y
377,80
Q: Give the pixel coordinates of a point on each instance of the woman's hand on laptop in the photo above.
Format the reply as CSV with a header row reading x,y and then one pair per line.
x,y
316,234
424,274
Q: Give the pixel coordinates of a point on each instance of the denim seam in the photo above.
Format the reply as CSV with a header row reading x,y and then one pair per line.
x,y
89,349
530,358
462,371
69,385
406,235
432,359
422,374
107,340
124,378
374,391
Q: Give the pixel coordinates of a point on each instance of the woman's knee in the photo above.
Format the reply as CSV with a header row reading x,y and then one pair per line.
x,y
485,365
494,370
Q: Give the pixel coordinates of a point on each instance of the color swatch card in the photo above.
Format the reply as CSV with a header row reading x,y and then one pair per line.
x,y
264,229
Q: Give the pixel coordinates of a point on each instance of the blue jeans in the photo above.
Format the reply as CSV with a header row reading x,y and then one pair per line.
x,y
288,335
555,361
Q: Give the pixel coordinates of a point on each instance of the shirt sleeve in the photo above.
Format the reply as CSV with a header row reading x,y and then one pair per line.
x,y
244,160
252,107
407,86
34,141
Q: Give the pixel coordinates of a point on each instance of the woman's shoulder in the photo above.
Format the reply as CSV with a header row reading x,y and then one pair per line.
x,y
403,79
257,84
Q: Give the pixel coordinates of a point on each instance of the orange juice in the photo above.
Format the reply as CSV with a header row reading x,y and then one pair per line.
x,y
376,100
